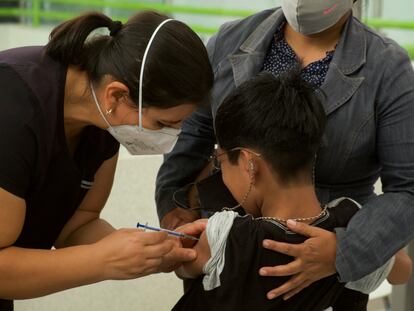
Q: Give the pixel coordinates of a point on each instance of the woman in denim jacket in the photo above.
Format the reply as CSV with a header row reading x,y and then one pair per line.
x,y
368,86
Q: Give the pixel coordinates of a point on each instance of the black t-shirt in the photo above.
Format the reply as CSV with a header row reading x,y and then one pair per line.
x,y
242,288
35,162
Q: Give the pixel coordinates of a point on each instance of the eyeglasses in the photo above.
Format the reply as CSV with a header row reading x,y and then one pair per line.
x,y
215,158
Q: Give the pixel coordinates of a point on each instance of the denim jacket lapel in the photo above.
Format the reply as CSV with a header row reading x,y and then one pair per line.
x,y
249,60
339,86
350,55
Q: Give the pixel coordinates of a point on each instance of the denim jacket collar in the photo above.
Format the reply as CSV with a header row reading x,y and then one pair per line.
x,y
248,61
259,40
350,55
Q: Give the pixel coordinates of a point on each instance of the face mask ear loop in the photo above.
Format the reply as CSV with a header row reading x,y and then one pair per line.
x,y
243,200
98,105
141,75
314,169
251,169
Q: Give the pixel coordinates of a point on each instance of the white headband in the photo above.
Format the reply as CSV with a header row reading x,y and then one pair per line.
x,y
141,75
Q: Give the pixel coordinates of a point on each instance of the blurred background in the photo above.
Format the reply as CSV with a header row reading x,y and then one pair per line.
x,y
394,18
30,22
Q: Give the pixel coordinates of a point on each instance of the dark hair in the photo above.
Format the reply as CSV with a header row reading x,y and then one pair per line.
x,y
177,69
279,117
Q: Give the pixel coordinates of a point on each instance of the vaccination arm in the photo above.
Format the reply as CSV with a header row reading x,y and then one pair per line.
x,y
210,249
193,269
384,224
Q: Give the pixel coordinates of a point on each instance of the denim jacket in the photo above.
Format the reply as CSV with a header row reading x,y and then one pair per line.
x,y
369,102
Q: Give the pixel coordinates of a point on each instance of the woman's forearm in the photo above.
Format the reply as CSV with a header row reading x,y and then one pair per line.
x,y
89,233
30,273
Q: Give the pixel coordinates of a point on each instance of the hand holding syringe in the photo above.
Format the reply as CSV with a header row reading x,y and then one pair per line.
x,y
170,232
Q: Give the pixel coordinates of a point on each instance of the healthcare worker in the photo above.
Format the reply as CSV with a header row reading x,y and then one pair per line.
x,y
368,86
64,109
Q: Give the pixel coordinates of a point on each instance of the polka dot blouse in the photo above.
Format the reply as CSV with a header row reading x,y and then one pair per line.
x,y
281,58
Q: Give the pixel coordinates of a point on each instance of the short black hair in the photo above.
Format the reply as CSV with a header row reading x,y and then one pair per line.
x,y
280,117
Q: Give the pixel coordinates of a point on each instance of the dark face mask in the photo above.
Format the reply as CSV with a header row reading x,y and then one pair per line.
x,y
212,196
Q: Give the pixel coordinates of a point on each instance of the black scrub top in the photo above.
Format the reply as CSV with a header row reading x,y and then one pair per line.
x,y
243,289
35,163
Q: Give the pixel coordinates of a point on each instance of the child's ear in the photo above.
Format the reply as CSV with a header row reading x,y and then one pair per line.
x,y
253,170
248,164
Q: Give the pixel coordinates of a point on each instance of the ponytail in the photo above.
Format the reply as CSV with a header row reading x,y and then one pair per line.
x,y
177,69
68,39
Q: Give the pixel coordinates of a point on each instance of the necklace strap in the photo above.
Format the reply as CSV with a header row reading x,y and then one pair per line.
x,y
284,221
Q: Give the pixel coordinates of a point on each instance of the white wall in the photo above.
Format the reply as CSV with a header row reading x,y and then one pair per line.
x,y
15,36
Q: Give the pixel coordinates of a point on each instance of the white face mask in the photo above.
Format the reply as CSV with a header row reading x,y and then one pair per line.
x,y
314,16
136,139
